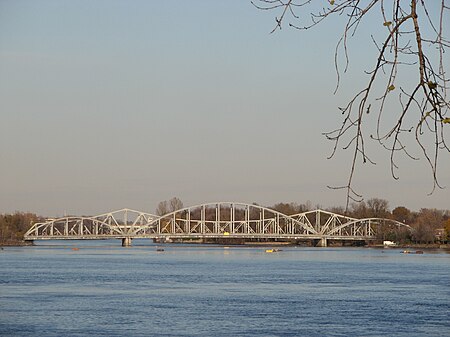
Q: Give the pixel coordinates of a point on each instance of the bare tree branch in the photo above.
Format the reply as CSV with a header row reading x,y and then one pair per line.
x,y
423,106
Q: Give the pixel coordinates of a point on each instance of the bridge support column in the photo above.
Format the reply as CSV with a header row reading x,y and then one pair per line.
x,y
323,242
126,242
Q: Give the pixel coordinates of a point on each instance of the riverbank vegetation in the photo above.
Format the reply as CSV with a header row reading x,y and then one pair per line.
x,y
14,226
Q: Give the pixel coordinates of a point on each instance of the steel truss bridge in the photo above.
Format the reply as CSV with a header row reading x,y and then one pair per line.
x,y
212,221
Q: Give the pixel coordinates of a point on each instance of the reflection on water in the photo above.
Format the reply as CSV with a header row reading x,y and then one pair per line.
x,y
102,289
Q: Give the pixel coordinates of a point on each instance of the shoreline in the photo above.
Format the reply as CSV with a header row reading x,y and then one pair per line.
x,y
273,244
16,244
414,246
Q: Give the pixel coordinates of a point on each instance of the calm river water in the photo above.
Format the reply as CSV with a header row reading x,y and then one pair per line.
x,y
103,289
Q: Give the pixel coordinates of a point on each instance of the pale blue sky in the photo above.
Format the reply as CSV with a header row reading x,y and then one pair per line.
x,y
111,104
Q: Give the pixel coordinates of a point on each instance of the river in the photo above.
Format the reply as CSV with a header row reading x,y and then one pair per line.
x,y
98,288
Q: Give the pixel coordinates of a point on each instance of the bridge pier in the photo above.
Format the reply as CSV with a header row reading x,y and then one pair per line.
x,y
323,242
126,242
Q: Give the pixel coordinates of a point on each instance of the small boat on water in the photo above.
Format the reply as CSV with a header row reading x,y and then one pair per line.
x,y
159,249
273,250
410,252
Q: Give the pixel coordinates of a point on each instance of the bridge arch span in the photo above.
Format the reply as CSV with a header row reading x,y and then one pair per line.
x,y
226,219
116,224
365,227
322,221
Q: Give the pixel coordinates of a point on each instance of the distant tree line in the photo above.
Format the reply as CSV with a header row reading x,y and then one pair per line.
x,y
169,206
14,226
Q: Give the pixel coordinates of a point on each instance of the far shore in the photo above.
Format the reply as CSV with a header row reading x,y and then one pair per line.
x,y
22,243
16,243
415,245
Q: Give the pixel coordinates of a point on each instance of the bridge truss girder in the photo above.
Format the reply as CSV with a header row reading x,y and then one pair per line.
x,y
118,224
212,220
226,219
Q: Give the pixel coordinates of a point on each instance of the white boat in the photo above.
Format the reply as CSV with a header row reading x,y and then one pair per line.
x,y
388,244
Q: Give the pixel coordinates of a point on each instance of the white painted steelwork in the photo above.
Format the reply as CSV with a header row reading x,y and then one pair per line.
x,y
117,224
212,220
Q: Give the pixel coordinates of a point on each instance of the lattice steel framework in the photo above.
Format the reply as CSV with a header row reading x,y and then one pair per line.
x,y
227,219
212,220
117,224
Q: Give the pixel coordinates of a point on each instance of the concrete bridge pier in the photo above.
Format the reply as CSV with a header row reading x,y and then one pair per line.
x,y
126,242
323,242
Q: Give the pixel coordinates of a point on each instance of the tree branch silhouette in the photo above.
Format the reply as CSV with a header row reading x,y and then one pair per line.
x,y
423,106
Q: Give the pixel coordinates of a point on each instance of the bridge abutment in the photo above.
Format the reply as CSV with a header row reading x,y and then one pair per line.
x,y
126,242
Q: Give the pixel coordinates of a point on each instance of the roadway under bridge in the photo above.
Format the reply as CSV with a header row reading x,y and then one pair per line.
x,y
230,221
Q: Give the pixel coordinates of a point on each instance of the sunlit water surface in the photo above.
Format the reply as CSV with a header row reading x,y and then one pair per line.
x,y
103,289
